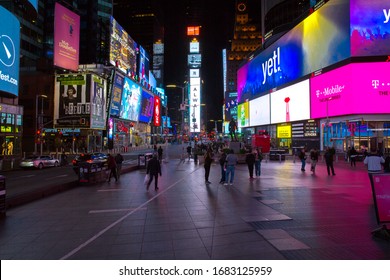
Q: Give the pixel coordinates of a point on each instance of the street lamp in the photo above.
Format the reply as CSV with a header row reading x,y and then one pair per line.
x,y
182,105
38,121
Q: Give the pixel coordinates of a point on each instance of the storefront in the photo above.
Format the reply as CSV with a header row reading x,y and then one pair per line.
x,y
11,130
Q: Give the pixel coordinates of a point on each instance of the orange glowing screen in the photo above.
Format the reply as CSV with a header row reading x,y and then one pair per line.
x,y
193,30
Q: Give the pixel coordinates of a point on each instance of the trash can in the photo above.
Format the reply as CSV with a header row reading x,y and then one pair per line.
x,y
143,159
83,170
2,196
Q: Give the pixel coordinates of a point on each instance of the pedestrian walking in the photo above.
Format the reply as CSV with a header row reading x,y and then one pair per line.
x,y
231,161
160,153
112,167
208,159
314,159
386,166
222,163
250,161
259,158
302,157
119,160
374,163
352,156
329,161
189,150
153,169
64,159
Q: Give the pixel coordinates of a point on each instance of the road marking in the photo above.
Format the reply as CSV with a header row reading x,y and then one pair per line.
x,y
59,176
113,210
110,190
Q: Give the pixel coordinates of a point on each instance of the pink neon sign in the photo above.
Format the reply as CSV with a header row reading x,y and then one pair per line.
x,y
359,88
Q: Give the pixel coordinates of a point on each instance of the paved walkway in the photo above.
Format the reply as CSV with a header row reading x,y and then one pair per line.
x,y
284,214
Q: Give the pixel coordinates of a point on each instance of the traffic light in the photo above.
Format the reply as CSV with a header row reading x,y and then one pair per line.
x,y
38,132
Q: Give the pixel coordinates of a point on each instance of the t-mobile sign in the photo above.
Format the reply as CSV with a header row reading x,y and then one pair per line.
x,y
358,88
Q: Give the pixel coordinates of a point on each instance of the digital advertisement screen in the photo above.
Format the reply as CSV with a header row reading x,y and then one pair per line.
x,y
259,111
194,60
359,88
322,39
98,102
123,49
243,114
131,100
147,103
143,65
370,27
116,94
231,106
291,103
195,102
9,52
157,111
66,38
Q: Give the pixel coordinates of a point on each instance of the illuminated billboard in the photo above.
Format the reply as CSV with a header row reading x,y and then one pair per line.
x,y
9,52
243,115
130,101
194,47
195,104
359,88
370,28
157,111
291,103
322,39
123,49
66,38
194,60
116,94
98,102
147,103
259,111
143,65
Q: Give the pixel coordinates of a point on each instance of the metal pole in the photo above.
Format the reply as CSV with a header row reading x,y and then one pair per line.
x,y
40,126
36,125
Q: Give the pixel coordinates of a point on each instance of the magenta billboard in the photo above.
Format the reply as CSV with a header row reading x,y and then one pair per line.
x,y
66,38
358,88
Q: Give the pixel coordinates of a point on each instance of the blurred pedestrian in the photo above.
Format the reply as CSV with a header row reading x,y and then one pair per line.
x,y
352,156
314,159
160,153
231,161
64,159
153,169
208,159
250,161
259,158
189,150
329,160
302,157
112,167
222,163
374,163
119,160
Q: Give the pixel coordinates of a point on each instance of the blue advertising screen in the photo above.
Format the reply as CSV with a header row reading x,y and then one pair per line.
x,y
9,52
116,94
146,112
130,101
321,40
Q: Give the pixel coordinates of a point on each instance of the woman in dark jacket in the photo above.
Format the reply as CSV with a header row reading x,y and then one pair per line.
x,y
208,159
250,161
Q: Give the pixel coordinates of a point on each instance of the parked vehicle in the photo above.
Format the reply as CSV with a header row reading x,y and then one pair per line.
x,y
39,162
90,157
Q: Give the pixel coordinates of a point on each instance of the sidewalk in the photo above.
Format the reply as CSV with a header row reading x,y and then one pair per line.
x,y
284,214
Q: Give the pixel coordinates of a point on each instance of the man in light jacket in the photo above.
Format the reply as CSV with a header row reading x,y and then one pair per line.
x,y
374,163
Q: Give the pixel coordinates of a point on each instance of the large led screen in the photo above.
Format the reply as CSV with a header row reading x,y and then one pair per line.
x,y
131,100
360,88
147,103
157,111
123,49
291,103
9,52
370,27
195,104
322,39
143,65
116,95
259,111
98,102
243,114
66,38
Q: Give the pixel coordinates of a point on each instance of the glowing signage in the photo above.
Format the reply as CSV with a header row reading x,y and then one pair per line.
x,y
116,95
147,103
195,104
259,111
194,47
193,30
283,131
358,88
98,102
131,100
194,60
381,193
291,103
243,114
66,38
157,111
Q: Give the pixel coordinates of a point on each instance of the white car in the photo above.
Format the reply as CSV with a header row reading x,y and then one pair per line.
x,y
39,162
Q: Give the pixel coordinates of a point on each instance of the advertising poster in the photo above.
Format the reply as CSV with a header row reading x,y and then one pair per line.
x,y
381,192
116,94
72,101
243,114
157,111
123,49
195,94
259,111
98,104
321,40
358,88
370,28
147,103
291,103
143,65
66,38
9,52
131,100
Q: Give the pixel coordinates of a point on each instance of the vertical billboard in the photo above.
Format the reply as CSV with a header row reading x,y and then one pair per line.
x,y
157,111
259,111
291,103
123,49
370,28
66,38
116,95
98,102
143,65
322,39
9,52
147,103
243,115
195,104
72,101
130,101
358,88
